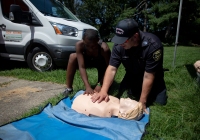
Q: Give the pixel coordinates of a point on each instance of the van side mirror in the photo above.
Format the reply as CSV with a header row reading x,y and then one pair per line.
x,y
18,16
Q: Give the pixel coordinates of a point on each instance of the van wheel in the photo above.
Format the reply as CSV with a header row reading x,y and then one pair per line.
x,y
39,60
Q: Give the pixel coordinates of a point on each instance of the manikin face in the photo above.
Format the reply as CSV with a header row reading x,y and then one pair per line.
x,y
197,66
131,42
127,103
130,109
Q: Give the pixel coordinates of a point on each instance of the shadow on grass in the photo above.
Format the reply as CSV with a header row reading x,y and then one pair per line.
x,y
11,64
191,70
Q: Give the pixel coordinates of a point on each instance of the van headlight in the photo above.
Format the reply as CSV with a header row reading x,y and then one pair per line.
x,y
64,29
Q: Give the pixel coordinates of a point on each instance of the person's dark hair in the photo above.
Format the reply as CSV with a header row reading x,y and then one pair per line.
x,y
91,34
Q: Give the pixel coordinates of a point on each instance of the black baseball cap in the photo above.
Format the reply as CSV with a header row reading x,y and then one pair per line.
x,y
124,30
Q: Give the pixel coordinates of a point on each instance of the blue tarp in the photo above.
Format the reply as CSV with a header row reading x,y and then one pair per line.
x,y
60,122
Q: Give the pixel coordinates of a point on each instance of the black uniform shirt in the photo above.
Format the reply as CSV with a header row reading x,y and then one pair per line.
x,y
148,56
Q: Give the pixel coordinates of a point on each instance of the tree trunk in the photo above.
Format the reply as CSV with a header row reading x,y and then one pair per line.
x,y
145,18
168,30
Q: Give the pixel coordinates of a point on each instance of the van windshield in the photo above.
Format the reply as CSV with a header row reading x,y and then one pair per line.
x,y
54,8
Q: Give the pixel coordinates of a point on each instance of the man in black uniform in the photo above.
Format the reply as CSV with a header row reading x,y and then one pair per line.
x,y
90,52
141,54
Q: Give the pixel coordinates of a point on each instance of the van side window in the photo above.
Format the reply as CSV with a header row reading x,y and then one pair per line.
x,y
6,6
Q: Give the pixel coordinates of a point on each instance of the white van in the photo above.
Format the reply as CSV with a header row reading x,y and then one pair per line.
x,y
41,32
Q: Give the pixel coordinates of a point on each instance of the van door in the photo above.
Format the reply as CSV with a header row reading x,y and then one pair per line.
x,y
13,36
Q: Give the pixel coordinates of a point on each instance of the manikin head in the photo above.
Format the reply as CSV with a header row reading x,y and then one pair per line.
x,y
130,109
124,108
197,66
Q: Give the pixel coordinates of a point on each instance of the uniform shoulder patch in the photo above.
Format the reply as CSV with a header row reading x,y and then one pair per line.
x,y
157,55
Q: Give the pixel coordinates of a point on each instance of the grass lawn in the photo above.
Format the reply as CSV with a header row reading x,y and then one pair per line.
x,y
179,119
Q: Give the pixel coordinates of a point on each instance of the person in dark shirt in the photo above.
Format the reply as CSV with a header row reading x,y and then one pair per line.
x,y
141,54
90,52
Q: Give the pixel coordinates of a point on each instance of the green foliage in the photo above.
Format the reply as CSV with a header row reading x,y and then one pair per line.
x,y
159,17
100,14
160,22
190,26
71,5
163,17
197,21
127,13
179,119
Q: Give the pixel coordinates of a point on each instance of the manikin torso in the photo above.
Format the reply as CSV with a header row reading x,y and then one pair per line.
x,y
84,105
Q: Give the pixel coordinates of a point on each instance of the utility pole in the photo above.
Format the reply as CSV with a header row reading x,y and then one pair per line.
x,y
177,31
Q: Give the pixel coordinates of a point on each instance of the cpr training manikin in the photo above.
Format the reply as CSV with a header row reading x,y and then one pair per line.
x,y
124,108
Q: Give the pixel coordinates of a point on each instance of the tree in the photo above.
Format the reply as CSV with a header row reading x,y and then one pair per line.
x,y
100,14
163,17
103,14
157,16
137,11
190,22
71,5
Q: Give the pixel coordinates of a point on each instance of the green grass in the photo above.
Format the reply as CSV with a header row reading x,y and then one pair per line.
x,y
178,120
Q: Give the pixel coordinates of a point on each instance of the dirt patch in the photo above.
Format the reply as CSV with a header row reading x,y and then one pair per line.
x,y
18,92
19,96
4,84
